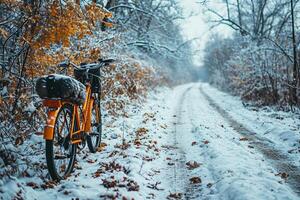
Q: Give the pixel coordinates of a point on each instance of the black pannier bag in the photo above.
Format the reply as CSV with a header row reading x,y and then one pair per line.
x,y
62,87
93,76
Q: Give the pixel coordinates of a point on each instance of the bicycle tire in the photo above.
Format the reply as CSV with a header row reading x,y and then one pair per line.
x,y
94,137
58,173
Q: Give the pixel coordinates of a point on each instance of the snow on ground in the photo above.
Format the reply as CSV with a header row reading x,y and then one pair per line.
x,y
281,128
128,168
176,146
229,168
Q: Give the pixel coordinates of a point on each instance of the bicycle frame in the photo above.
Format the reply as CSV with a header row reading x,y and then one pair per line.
x,y
84,126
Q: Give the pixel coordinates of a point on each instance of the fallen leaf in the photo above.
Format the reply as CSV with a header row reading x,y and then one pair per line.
x,y
176,195
91,161
113,153
48,184
205,141
192,165
109,183
101,147
96,174
148,159
32,185
195,180
19,141
283,175
243,139
141,131
132,186
137,142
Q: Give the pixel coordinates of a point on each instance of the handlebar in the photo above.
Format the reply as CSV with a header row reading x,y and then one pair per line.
x,y
90,66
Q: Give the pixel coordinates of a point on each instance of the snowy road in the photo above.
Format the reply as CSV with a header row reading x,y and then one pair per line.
x,y
189,142
234,163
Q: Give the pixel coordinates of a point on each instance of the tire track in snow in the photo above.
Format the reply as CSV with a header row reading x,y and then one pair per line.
x,y
279,160
180,173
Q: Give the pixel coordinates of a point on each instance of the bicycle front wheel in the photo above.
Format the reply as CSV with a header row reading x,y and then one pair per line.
x,y
60,152
94,137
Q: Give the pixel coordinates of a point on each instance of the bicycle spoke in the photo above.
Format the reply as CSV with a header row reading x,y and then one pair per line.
x,y
63,149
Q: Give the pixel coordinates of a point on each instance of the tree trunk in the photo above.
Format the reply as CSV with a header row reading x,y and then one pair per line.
x,y
295,66
239,15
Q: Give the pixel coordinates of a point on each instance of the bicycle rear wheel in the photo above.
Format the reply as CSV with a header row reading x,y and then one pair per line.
x,y
60,152
94,137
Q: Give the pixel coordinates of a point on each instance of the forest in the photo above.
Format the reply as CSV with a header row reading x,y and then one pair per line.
x,y
260,62
171,126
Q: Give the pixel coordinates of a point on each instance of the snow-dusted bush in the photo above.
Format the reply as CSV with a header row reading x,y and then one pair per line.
x,y
256,72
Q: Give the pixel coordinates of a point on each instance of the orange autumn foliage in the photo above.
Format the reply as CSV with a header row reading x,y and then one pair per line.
x,y
64,26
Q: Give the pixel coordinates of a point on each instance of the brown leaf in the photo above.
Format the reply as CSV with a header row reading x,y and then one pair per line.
x,y
141,131
97,174
205,141
91,161
195,180
109,183
19,141
194,143
113,153
101,147
137,142
176,195
283,175
132,186
32,184
192,165
49,184
243,139
148,159
123,146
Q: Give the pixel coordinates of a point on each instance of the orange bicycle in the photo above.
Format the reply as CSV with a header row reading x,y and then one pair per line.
x,y
74,114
